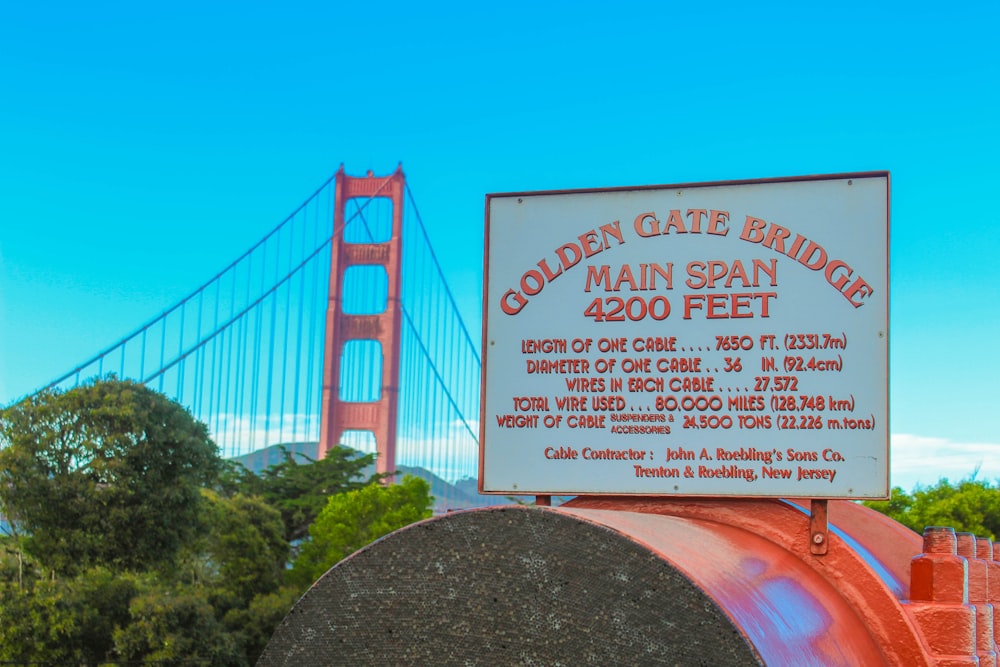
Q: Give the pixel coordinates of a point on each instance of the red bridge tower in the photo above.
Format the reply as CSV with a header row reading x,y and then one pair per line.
x,y
378,416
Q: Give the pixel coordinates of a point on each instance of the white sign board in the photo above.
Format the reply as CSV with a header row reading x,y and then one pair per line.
x,y
721,339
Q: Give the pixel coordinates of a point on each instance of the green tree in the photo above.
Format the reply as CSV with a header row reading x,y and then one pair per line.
x,y
970,506
131,540
242,552
299,490
65,621
220,604
354,519
178,624
108,473
255,623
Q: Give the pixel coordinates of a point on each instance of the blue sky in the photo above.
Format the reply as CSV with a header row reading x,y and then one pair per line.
x,y
144,146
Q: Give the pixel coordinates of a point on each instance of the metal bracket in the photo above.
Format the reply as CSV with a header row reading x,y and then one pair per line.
x,y
818,527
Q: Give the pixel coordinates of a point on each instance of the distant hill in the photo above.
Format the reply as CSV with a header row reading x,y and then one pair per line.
x,y
463,494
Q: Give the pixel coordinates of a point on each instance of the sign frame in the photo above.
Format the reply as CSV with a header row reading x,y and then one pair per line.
x,y
740,251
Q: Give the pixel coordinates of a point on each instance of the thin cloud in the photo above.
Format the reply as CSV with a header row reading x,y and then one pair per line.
x,y
924,460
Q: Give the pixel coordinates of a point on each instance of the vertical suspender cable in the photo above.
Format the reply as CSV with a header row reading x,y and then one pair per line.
x,y
199,364
286,346
163,348
142,357
217,384
180,351
271,345
298,349
242,360
228,382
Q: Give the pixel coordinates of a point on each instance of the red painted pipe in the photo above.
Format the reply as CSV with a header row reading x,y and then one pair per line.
x,y
849,606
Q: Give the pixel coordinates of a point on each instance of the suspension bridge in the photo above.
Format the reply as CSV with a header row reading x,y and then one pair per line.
x,y
336,328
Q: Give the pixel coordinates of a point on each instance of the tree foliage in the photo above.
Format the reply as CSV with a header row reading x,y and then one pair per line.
x,y
299,490
64,621
105,474
357,518
255,623
179,624
242,548
130,540
969,506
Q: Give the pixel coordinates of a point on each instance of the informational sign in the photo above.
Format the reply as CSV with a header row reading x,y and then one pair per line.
x,y
718,339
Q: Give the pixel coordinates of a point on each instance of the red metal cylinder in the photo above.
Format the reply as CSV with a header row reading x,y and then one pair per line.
x,y
878,595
